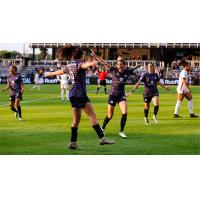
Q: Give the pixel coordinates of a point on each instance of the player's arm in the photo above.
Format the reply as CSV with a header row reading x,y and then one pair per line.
x,y
136,86
102,61
22,87
136,67
164,86
89,64
59,72
6,88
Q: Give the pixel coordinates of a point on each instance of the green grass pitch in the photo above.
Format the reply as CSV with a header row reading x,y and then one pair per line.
x,y
47,121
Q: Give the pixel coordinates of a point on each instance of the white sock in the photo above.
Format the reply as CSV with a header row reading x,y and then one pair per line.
x,y
67,94
190,106
62,93
177,107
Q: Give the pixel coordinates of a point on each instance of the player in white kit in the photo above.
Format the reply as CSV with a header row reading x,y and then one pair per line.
x,y
183,90
64,86
37,80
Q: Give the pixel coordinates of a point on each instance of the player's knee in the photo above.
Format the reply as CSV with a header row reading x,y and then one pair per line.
x,y
110,115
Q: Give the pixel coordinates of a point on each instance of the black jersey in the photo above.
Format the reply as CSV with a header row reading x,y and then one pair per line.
x,y
77,75
150,80
119,80
15,83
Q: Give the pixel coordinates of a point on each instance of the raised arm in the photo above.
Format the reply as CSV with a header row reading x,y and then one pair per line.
x,y
99,59
89,64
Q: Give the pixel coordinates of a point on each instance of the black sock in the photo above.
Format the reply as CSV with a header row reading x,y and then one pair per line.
x,y
106,120
19,111
123,122
97,90
13,109
156,109
74,134
146,112
98,130
105,90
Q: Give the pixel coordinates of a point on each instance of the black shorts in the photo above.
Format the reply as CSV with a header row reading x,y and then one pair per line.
x,y
102,82
15,96
112,100
79,102
149,95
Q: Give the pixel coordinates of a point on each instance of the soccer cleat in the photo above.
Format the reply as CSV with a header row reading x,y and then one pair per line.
x,y
155,119
123,135
177,116
104,141
193,116
73,145
20,119
146,121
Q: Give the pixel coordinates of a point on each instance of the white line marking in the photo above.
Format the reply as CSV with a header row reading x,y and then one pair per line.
x,y
32,100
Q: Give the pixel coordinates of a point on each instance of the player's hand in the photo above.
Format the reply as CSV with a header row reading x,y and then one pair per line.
x,y
46,74
133,90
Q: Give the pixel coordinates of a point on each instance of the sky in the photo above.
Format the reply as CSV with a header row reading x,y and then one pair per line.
x,y
15,47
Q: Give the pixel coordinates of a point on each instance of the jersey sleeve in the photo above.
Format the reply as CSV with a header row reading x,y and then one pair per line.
x,y
183,74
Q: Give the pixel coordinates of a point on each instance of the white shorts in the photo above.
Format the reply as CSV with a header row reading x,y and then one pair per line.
x,y
64,85
182,90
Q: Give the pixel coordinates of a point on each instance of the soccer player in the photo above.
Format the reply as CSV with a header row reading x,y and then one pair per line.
x,y
150,80
64,86
120,74
37,80
102,79
77,95
15,84
183,90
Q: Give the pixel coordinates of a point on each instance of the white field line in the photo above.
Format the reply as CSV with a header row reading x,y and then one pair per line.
x,y
31,100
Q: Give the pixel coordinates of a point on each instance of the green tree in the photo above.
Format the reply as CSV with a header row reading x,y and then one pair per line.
x,y
8,54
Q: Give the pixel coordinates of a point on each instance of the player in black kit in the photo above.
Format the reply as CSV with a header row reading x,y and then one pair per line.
x,y
150,80
120,74
78,95
15,85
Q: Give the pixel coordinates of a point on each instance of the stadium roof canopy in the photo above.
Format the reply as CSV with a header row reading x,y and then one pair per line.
x,y
118,45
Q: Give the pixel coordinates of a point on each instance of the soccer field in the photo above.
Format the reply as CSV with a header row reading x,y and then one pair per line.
x,y
47,121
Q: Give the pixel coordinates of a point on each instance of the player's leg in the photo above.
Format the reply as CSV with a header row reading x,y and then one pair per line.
x,y
74,128
180,98
109,116
18,106
88,109
62,93
12,105
146,112
33,87
67,91
105,89
99,86
188,96
124,109
155,100
38,86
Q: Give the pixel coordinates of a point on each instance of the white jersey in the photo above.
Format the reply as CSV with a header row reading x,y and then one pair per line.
x,y
37,79
181,87
64,78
